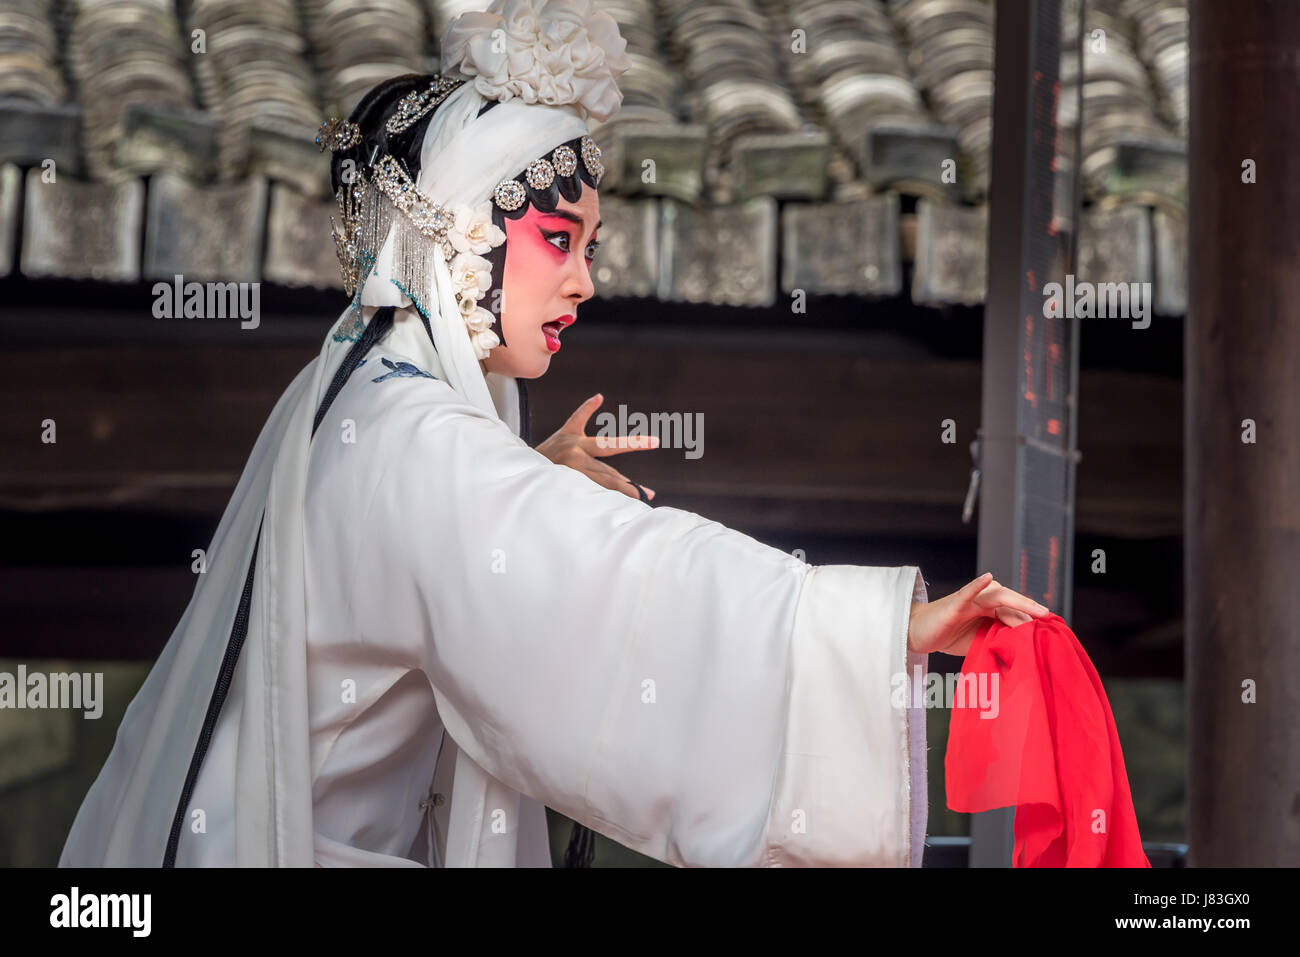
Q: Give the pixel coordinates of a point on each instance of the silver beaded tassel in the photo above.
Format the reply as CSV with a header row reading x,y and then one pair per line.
x,y
413,254
376,218
361,235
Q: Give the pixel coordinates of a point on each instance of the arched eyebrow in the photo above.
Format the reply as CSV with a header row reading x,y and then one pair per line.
x,y
572,217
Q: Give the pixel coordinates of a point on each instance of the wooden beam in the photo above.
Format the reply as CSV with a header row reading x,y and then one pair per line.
x,y
812,432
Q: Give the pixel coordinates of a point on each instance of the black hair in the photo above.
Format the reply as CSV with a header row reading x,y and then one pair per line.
x,y
371,114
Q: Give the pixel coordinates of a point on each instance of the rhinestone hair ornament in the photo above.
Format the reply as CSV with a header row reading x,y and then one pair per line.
x,y
402,242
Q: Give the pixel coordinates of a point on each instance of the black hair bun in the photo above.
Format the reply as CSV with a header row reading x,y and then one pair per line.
x,y
370,114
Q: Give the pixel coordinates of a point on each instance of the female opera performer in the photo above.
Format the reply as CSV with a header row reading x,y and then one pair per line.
x,y
416,631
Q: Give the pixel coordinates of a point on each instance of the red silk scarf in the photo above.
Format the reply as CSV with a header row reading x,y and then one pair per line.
x,y
1047,746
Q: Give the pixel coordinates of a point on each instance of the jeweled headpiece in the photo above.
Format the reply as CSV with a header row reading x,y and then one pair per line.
x,y
564,55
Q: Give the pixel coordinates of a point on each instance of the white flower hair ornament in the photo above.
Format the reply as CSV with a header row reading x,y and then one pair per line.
x,y
473,231
471,274
566,53
471,234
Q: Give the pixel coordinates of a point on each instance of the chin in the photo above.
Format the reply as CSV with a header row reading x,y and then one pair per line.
x,y
506,363
529,369
539,369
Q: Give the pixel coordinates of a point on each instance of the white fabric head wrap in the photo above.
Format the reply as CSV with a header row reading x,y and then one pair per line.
x,y
556,69
551,68
462,159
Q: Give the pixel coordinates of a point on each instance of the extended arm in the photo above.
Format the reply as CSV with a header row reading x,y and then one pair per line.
x,y
674,684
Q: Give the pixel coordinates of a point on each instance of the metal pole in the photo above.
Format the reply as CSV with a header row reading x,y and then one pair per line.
x,y
1026,505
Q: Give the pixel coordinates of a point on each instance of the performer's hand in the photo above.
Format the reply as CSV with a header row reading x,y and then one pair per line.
x,y
950,623
571,446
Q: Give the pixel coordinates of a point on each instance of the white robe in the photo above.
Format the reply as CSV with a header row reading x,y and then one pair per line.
x,y
673,684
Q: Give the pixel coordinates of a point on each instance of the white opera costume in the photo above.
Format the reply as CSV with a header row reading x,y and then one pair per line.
x,y
444,632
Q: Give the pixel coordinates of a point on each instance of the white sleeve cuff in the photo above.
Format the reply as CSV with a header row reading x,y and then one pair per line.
x,y
850,785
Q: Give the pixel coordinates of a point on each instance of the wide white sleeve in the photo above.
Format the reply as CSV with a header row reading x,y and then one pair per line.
x,y
678,686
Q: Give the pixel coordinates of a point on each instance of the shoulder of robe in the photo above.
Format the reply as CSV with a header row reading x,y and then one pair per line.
x,y
393,393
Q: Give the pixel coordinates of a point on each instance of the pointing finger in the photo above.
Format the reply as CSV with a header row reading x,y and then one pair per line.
x,y
602,445
577,422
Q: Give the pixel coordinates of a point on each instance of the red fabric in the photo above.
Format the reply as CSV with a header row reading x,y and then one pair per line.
x,y
1051,750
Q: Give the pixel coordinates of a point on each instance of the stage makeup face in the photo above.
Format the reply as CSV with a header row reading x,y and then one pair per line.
x,y
547,275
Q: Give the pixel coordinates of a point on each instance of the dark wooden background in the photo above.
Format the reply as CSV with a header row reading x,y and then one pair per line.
x,y
822,431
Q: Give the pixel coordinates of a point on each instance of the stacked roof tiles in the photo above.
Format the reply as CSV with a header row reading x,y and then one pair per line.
x,y
764,146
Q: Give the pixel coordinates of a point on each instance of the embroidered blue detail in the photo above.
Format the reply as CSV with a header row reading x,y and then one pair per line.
x,y
350,330
351,327
419,306
401,369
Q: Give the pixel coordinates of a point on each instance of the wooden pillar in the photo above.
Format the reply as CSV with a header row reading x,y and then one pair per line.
x,y
1242,522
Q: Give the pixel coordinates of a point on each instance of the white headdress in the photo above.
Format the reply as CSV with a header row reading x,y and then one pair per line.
x,y
241,646
422,243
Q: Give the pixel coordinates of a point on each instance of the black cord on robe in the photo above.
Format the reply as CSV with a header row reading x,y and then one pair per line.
x,y
375,330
